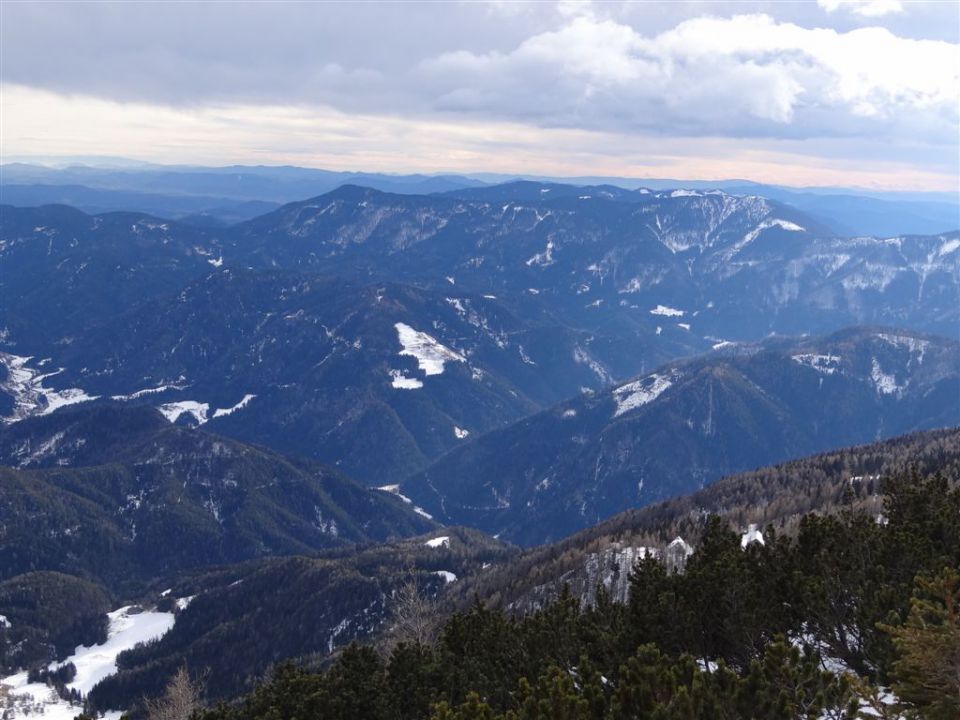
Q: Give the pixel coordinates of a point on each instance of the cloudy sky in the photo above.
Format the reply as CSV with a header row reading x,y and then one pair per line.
x,y
823,92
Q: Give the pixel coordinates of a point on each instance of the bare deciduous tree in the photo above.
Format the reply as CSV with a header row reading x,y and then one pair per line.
x,y
414,616
180,699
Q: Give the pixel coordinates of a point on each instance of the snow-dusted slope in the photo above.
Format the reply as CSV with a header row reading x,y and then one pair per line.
x,y
129,626
687,424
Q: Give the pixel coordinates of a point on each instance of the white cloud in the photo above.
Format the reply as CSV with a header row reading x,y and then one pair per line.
x,y
571,88
744,75
866,8
38,123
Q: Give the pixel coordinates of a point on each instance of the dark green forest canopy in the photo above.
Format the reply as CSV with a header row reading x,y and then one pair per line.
x,y
793,628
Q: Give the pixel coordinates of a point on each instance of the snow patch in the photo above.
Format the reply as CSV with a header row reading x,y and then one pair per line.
x,y
402,382
442,541
752,535
766,225
30,397
173,411
916,346
524,357
949,247
127,628
640,392
395,490
223,412
184,602
430,354
667,311
871,276
543,259
146,391
582,357
825,364
448,577
885,384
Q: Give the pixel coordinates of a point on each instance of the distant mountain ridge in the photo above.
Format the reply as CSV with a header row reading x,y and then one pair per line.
x,y
374,379
215,194
530,300
689,423
609,257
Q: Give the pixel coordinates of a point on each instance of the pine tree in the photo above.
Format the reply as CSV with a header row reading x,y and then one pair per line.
x,y
554,697
473,708
927,674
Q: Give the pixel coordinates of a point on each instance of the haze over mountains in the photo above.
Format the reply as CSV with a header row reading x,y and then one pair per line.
x,y
276,417
485,360
223,195
450,315
688,424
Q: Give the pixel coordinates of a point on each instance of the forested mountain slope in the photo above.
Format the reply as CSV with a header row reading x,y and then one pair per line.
x,y
689,423
122,497
528,292
775,497
850,618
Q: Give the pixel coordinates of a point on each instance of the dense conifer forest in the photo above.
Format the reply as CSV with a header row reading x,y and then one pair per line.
x,y
853,616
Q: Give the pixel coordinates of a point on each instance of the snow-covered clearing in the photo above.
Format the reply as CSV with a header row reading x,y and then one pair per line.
x,y
429,353
640,392
128,627
30,396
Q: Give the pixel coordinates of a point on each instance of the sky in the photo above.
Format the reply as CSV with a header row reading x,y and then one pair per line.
x,y
861,93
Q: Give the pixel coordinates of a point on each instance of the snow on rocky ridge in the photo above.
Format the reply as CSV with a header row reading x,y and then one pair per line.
x,y
767,224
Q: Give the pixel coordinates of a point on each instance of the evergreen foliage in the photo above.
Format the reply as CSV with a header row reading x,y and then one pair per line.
x,y
48,614
927,671
786,629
